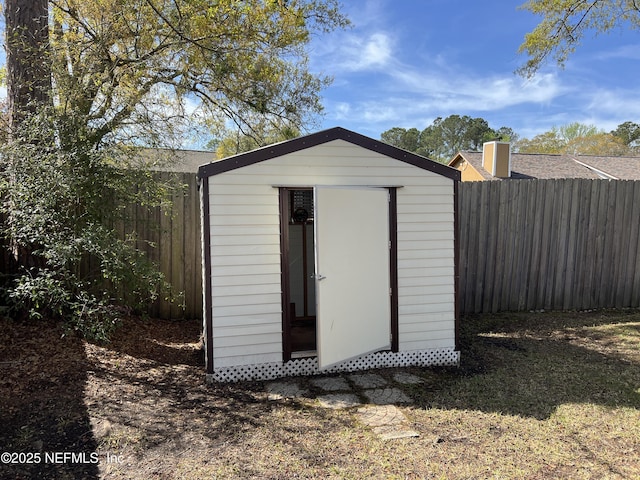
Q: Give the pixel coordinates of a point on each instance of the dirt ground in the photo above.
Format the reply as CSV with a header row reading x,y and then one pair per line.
x,y
138,408
61,394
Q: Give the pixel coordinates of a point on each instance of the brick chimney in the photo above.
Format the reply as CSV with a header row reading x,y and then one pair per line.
x,y
496,158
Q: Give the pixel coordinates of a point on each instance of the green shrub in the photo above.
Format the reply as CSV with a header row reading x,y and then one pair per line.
x,y
63,204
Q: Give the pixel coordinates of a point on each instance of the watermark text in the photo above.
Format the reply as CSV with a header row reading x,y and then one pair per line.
x,y
22,458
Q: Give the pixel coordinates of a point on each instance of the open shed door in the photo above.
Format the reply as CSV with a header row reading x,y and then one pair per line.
x,y
352,272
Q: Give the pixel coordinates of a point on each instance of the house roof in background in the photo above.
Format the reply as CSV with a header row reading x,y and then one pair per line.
x,y
180,161
547,166
621,168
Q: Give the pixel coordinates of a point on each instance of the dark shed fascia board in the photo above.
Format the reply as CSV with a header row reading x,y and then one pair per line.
x,y
206,245
325,136
456,262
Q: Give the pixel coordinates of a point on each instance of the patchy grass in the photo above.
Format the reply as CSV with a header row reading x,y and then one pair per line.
x,y
551,395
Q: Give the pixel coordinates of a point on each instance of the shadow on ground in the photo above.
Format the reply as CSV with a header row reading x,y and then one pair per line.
x,y
142,398
43,376
149,403
529,369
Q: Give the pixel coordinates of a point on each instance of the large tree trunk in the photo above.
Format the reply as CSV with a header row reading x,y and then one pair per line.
x,y
28,89
28,63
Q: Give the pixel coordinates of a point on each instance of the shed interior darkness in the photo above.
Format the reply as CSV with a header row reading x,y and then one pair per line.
x,y
302,293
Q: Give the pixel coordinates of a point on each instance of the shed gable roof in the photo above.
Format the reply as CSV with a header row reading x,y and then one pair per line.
x,y
319,138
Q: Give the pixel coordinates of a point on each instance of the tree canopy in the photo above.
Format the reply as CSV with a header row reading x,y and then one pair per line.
x,y
442,139
144,69
263,133
629,133
564,24
91,81
581,139
446,136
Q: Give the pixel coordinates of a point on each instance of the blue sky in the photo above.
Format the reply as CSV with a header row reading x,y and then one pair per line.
x,y
405,62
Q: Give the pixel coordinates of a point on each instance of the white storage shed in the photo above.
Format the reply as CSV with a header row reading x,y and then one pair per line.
x,y
330,252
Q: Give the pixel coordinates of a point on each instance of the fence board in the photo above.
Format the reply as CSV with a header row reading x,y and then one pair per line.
x,y
545,274
192,271
583,200
500,233
481,234
587,280
631,287
511,296
177,253
573,247
622,236
520,284
170,237
607,252
463,257
493,224
472,273
536,192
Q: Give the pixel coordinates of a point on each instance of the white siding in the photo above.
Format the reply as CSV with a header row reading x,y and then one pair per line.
x,y
245,247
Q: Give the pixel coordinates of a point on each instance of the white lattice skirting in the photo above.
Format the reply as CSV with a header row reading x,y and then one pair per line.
x,y
309,366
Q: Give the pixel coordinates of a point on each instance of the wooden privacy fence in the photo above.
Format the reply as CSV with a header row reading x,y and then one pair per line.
x,y
549,244
171,239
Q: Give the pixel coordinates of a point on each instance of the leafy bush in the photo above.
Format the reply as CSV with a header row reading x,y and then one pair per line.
x,y
63,204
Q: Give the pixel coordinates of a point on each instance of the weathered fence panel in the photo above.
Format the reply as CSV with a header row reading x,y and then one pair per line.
x,y
549,244
170,236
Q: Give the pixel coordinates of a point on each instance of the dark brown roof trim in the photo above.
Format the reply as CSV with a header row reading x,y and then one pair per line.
x,y
208,312
336,133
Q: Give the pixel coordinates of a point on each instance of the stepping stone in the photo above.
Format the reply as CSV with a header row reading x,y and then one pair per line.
x,y
386,421
368,380
379,415
281,390
386,396
339,400
407,378
331,384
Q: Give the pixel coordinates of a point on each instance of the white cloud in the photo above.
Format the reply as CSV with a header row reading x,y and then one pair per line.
x,y
415,98
412,98
618,102
342,110
626,52
367,46
609,108
471,91
358,54
376,51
